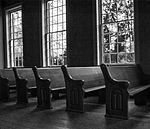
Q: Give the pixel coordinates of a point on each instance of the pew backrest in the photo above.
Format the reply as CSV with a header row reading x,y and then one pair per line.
x,y
92,76
55,75
28,74
130,73
8,73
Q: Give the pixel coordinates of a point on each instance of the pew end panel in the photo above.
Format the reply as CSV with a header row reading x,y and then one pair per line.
x,y
57,80
75,96
118,90
74,92
81,80
21,88
116,96
43,90
27,73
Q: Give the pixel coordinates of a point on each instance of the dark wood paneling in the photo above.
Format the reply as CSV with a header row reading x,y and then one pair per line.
x,y
80,36
144,31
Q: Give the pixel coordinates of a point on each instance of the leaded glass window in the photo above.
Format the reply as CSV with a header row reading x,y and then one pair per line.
x,y
15,38
117,27
55,32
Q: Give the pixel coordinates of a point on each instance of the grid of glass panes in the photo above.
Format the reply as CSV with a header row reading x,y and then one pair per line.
x,y
118,31
15,42
56,32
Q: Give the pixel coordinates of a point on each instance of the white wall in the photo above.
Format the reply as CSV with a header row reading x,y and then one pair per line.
x,y
1,40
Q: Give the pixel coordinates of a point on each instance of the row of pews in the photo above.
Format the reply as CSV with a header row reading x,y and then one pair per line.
x,y
46,83
112,84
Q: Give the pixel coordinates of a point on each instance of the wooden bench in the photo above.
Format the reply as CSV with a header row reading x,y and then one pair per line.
x,y
122,82
21,88
15,79
43,90
7,83
8,73
27,74
52,84
81,80
4,88
57,80
44,80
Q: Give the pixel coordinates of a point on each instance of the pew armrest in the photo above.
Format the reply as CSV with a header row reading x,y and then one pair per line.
x,y
4,80
78,83
110,82
121,84
43,82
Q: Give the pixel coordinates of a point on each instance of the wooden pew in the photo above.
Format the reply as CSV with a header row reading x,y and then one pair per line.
x,y
27,73
52,84
8,74
122,82
4,87
11,76
44,80
21,88
57,80
81,80
7,83
43,90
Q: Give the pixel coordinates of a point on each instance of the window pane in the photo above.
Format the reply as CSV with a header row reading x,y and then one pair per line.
x,y
15,39
113,48
106,48
106,58
113,58
122,58
117,31
56,28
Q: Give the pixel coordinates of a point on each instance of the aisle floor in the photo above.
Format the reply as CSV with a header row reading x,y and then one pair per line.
x,y
14,116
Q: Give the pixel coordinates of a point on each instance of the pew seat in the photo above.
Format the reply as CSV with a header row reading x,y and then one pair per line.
x,y
44,80
81,80
122,82
7,83
48,81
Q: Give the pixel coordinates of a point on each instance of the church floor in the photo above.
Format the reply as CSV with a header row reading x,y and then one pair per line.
x,y
13,116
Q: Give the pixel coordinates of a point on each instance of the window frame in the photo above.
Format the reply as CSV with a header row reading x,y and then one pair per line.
x,y
100,37
8,11
47,62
